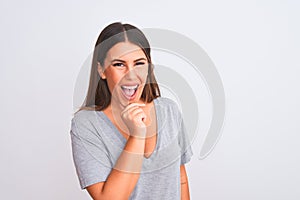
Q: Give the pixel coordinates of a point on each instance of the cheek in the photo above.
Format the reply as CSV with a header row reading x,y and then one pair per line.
x,y
113,79
143,73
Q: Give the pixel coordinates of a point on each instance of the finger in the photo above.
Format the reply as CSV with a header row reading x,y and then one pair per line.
x,y
132,105
135,104
129,111
133,109
133,113
141,116
136,111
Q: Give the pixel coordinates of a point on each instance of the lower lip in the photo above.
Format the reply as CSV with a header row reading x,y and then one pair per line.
x,y
132,97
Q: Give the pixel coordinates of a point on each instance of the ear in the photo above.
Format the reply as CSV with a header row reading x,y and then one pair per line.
x,y
100,71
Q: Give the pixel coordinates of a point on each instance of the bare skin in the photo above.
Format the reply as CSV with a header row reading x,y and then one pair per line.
x,y
126,64
151,127
185,194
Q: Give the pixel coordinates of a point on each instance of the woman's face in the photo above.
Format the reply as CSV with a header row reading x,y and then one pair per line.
x,y
126,70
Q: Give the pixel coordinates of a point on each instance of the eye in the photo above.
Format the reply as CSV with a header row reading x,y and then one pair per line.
x,y
140,63
118,64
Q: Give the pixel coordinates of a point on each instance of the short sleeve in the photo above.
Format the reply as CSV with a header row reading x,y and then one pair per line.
x,y
185,144
91,160
184,139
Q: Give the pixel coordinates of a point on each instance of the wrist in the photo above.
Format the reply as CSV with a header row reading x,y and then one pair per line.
x,y
138,135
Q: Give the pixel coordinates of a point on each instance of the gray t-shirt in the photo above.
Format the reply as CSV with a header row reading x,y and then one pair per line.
x,y
97,144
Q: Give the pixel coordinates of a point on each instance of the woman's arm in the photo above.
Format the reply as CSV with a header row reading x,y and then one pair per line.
x,y
185,194
124,176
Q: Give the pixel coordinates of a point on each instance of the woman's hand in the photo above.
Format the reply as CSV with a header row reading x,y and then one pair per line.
x,y
134,118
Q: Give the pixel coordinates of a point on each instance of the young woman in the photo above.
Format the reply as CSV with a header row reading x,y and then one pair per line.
x,y
127,141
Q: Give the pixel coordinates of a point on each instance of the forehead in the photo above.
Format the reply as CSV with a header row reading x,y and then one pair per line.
x,y
125,51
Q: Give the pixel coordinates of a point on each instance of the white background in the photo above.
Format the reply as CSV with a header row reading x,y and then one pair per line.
x,y
254,45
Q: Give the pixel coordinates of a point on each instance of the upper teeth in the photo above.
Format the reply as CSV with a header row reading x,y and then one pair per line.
x,y
130,87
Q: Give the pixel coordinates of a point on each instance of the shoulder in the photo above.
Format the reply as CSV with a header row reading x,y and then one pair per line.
x,y
83,121
83,116
165,101
168,103
169,108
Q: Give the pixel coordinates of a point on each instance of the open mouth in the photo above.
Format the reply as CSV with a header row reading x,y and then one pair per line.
x,y
129,91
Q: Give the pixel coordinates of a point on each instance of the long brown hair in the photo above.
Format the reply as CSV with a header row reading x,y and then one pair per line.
x,y
98,96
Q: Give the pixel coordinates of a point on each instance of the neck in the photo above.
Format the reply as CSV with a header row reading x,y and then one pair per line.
x,y
113,111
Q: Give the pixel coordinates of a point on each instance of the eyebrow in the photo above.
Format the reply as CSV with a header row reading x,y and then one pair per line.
x,y
114,60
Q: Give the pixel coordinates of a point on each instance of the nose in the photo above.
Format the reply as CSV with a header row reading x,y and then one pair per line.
x,y
131,72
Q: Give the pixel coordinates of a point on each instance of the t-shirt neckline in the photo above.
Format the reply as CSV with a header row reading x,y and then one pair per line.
x,y
122,138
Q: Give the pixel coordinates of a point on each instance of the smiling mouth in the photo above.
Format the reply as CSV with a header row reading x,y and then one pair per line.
x,y
129,91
